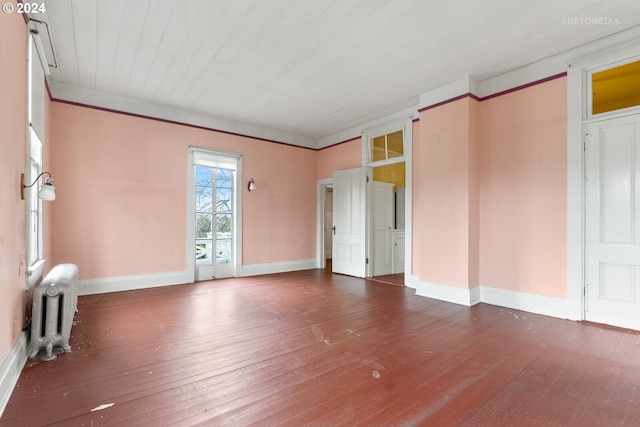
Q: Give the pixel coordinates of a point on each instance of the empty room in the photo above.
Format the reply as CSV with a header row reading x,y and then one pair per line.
x,y
319,213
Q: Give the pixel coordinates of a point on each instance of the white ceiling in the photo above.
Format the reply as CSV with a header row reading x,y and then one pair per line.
x,y
308,67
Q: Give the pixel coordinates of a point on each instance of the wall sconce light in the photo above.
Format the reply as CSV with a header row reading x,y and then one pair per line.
x,y
47,191
252,185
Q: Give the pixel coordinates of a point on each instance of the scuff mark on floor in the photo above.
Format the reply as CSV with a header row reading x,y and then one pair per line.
x,y
103,406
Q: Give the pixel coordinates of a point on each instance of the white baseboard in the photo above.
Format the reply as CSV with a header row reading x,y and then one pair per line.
x,y
128,283
539,304
11,369
278,267
452,294
142,281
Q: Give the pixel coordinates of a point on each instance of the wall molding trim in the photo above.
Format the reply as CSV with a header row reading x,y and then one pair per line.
x,y
129,283
89,98
278,267
446,293
495,95
11,369
538,304
531,303
144,281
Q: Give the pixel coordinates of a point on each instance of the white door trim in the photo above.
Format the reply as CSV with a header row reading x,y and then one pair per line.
x,y
406,125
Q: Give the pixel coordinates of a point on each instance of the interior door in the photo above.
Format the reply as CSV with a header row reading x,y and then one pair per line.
x,y
613,222
350,222
381,227
214,222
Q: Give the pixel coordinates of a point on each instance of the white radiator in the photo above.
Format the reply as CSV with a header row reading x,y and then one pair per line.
x,y
55,302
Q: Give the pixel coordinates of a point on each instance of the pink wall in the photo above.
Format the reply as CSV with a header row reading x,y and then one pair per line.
x,y
346,155
490,192
13,126
444,204
121,184
523,170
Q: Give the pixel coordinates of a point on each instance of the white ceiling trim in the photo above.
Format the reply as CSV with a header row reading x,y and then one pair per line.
x,y
556,64
121,104
535,72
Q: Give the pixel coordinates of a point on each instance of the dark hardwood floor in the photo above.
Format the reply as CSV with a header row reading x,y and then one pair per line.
x,y
314,349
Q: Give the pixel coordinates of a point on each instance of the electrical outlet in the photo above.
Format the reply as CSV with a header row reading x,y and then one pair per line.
x,y
20,265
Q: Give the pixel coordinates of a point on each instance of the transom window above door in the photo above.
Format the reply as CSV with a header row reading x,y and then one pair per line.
x,y
615,88
387,146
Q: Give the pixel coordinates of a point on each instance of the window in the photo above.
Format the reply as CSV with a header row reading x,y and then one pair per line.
x,y
616,88
214,206
387,146
34,166
34,204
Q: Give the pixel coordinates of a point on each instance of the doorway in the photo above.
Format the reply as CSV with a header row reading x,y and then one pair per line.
x,y
388,223
214,211
402,200
328,225
609,150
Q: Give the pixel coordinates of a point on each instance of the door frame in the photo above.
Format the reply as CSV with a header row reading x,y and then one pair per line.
x,y
577,120
321,188
406,126
191,214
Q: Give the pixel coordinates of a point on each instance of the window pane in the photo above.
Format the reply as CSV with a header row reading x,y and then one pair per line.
x,y
204,199
616,88
204,176
387,146
223,226
203,225
223,251
204,252
223,200
378,151
223,178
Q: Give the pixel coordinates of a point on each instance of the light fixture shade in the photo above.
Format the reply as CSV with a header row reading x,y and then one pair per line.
x,y
47,191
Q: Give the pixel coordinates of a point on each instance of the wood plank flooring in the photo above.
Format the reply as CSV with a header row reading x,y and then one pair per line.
x,y
311,348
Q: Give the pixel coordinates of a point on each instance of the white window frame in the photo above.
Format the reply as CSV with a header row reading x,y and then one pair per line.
x,y
225,160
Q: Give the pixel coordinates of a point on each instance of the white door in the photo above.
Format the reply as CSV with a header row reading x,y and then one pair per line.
x,y
350,222
398,252
613,222
381,227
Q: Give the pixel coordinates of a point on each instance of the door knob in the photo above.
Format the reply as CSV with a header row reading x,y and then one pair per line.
x,y
334,230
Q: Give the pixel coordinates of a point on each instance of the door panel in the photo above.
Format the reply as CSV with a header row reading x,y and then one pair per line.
x,y
382,225
349,222
613,222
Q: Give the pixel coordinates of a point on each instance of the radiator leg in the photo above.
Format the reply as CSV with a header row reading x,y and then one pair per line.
x,y
50,355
